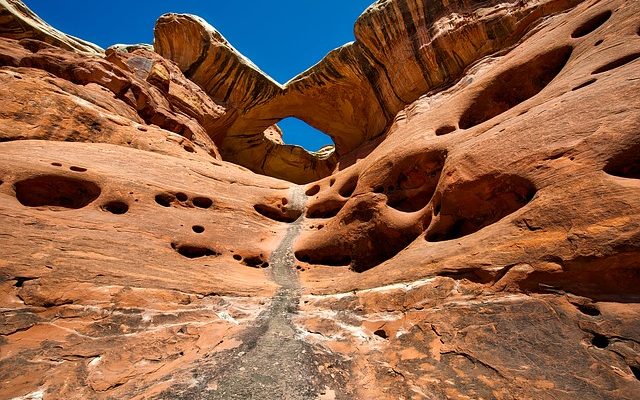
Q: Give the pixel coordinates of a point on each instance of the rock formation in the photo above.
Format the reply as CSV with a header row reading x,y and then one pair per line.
x,y
475,234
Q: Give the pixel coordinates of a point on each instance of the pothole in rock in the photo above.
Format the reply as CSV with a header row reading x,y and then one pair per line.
x,y
514,86
617,63
254,261
364,238
381,333
179,198
634,369
600,341
325,209
585,84
116,207
591,25
468,207
278,211
194,251
413,181
202,202
445,130
588,309
56,191
324,258
313,190
347,189
625,164
164,199
367,236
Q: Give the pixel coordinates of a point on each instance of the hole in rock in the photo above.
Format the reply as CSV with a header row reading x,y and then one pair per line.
x,y
443,130
189,149
182,197
585,84
591,24
413,181
365,240
299,133
193,251
255,262
78,169
470,206
284,201
116,207
514,86
164,199
333,260
588,309
598,42
202,202
237,257
56,191
471,274
635,371
197,228
56,164
282,214
20,280
313,190
625,164
600,341
436,205
382,333
349,187
617,63
332,181
325,209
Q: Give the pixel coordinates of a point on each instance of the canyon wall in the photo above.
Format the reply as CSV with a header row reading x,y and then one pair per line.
x,y
474,233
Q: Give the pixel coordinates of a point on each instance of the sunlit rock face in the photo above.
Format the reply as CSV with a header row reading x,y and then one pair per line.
x,y
475,234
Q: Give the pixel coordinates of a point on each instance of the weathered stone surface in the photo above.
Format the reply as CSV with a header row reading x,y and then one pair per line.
x,y
483,244
403,49
124,99
241,86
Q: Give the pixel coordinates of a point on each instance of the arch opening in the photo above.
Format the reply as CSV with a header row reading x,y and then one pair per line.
x,y
299,133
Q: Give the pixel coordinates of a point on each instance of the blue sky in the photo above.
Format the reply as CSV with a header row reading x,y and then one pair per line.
x,y
282,37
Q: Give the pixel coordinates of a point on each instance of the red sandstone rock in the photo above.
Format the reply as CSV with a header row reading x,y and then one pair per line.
x,y
485,244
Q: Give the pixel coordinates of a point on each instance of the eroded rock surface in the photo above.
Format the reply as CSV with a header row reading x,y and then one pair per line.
x,y
475,234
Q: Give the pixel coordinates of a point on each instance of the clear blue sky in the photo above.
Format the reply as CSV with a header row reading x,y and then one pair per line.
x,y
282,37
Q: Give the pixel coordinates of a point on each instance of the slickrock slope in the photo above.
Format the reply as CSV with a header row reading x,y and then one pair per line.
x,y
474,235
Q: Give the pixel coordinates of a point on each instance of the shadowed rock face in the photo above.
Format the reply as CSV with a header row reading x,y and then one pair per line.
x,y
475,234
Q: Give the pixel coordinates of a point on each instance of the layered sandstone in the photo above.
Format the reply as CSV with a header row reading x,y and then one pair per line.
x,y
475,233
